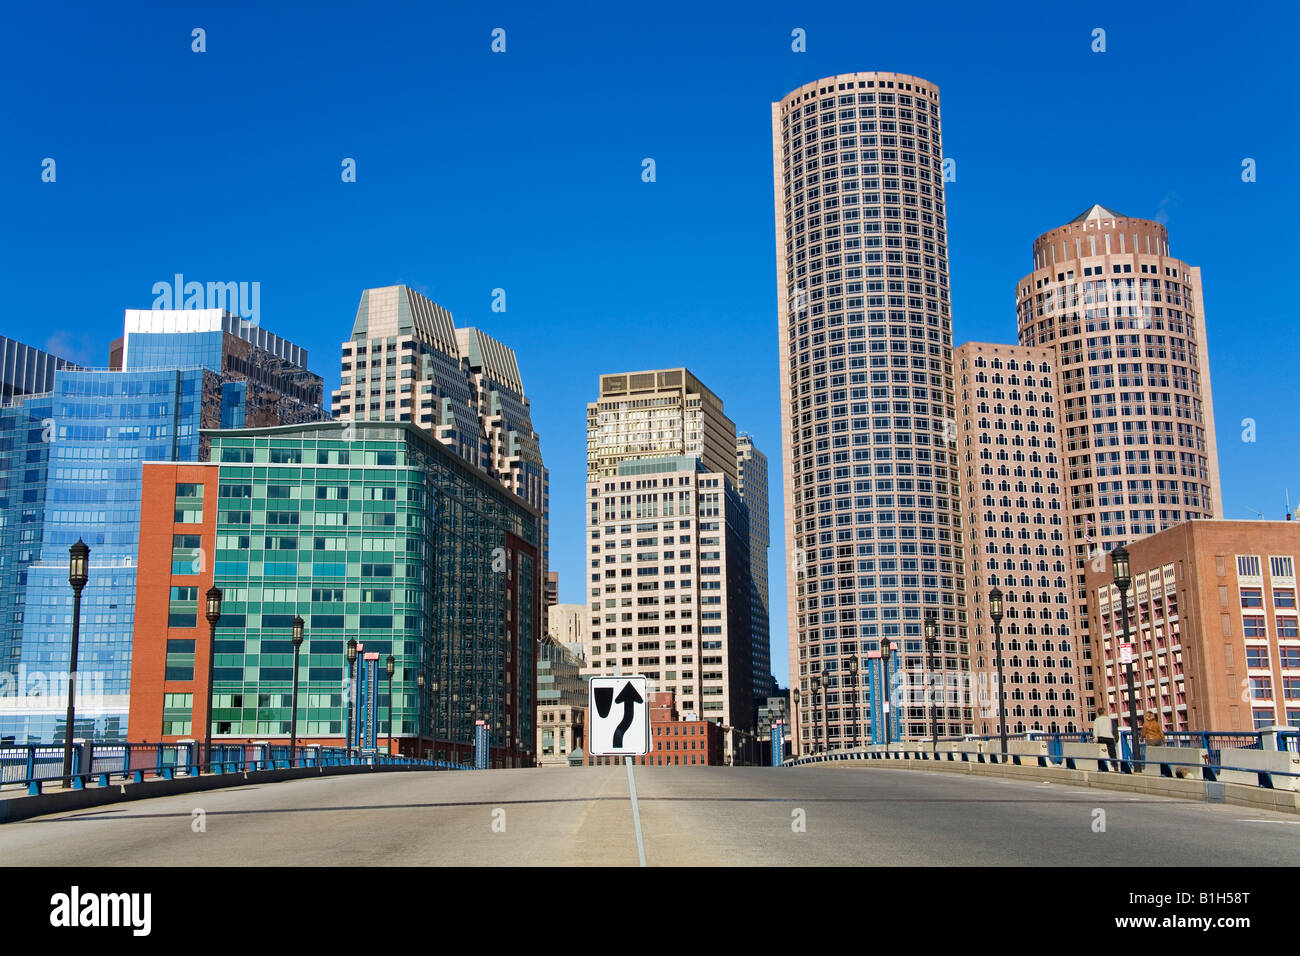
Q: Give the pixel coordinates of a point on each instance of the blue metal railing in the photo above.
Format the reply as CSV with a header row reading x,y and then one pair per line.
x,y
1210,770
103,764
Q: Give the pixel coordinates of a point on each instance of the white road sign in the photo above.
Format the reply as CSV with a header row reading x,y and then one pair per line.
x,y
1126,653
620,717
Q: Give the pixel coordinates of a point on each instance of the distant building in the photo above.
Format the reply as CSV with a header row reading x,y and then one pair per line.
x,y
752,486
364,535
25,370
561,703
675,741
407,362
1213,622
181,371
1015,504
552,588
668,565
567,624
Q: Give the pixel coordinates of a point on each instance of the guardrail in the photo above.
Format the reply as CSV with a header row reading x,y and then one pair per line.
x,y
33,765
1210,770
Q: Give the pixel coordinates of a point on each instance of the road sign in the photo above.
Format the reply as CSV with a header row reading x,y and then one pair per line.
x,y
1126,653
620,717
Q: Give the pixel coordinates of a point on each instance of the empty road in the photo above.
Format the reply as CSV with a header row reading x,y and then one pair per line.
x,y
689,816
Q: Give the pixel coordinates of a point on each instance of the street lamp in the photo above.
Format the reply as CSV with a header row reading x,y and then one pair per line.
x,y
817,689
853,680
213,614
293,716
1123,578
390,665
419,702
995,612
931,644
794,713
885,651
78,575
352,684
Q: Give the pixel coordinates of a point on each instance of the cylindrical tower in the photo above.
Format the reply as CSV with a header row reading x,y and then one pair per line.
x,y
867,402
1127,321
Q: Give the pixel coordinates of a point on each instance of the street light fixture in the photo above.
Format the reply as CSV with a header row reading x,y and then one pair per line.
x,y
419,698
352,685
293,715
78,575
213,614
931,645
853,679
794,713
995,612
817,689
1123,578
390,665
885,650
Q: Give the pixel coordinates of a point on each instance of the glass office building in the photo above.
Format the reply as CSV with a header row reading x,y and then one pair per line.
x,y
368,530
25,429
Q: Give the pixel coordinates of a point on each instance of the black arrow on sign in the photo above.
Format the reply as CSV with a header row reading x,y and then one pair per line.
x,y
629,698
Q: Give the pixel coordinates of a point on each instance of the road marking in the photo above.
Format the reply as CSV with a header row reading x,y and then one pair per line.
x,y
1294,823
636,812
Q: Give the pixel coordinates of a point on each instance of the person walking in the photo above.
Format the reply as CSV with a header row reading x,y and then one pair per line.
x,y
1103,732
1153,734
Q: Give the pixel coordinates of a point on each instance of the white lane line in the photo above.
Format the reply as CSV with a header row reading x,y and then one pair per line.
x,y
636,811
1293,823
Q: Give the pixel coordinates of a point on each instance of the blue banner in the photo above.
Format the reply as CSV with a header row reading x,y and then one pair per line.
x,y
778,744
878,676
371,690
480,746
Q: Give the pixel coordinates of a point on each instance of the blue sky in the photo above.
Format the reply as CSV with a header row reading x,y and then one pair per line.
x,y
522,171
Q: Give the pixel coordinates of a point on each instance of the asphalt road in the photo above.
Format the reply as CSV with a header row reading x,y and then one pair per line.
x,y
807,816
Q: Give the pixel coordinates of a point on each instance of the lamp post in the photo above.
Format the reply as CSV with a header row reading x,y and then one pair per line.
x,y
352,684
931,643
853,679
817,689
293,715
78,575
1120,569
214,614
995,612
794,712
390,665
419,702
885,651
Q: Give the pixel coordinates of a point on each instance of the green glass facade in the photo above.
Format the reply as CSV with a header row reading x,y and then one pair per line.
x,y
373,531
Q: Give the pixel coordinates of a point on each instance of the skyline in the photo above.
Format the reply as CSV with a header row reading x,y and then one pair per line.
x,y
63,234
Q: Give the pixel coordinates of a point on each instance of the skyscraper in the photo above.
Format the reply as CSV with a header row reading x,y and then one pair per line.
x,y
751,483
407,362
668,537
867,401
1014,515
1127,321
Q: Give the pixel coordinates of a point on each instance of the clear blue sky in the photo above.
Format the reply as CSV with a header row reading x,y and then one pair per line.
x,y
522,171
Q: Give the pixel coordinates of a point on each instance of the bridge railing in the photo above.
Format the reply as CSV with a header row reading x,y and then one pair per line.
x,y
1267,772
104,764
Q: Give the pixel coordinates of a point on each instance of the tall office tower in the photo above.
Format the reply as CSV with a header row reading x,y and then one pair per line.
x,y
102,425
1013,487
751,483
1127,321
25,370
867,397
669,544
407,362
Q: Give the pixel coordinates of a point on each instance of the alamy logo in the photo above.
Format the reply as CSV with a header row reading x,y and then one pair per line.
x,y
134,910
238,298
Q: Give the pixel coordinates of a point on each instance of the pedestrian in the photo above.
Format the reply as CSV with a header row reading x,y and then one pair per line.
x,y
1153,735
1103,732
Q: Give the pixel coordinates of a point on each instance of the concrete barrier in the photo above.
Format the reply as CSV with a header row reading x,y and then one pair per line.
x,y
1027,748
1254,761
1155,756
1085,756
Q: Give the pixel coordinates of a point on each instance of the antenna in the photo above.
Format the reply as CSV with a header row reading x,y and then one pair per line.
x,y
1260,513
